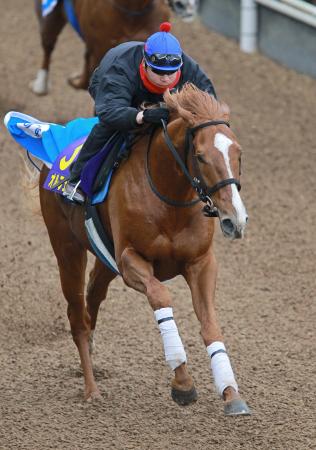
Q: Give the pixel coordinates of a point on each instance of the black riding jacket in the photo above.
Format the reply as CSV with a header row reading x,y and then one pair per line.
x,y
118,91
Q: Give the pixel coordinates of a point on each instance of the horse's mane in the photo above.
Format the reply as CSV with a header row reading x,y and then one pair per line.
x,y
196,106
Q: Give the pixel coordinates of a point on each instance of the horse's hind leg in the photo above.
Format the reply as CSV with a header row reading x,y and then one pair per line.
x,y
72,260
99,280
138,274
81,80
201,278
50,28
72,263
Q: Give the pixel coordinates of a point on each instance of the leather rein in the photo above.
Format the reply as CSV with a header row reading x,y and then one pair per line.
x,y
204,191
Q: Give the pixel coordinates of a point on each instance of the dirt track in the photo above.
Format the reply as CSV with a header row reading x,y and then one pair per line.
x,y
265,295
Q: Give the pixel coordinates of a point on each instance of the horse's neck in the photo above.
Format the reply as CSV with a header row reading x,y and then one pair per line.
x,y
165,171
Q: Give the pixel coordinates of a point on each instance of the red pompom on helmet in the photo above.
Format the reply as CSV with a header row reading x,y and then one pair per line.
x,y
165,26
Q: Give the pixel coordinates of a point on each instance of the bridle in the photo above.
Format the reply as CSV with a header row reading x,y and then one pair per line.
x,y
198,183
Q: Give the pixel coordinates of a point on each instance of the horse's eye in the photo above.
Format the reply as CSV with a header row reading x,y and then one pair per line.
x,y
200,159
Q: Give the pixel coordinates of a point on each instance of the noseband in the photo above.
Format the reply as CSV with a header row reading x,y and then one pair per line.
x,y
197,181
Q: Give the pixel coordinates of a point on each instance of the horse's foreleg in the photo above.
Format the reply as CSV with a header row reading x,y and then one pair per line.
x,y
138,274
50,28
99,280
201,278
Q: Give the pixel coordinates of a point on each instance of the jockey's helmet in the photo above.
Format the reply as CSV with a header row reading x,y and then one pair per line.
x,y
162,50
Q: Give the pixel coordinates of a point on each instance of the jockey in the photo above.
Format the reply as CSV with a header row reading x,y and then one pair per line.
x,y
129,75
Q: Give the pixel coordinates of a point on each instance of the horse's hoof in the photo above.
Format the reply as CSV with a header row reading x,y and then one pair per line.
x,y
78,82
236,407
184,398
94,397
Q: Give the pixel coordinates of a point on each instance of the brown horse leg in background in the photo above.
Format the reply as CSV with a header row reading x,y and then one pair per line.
x,y
71,256
81,80
50,28
139,274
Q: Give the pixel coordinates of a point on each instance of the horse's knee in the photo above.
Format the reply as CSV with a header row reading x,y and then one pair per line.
x,y
138,274
158,294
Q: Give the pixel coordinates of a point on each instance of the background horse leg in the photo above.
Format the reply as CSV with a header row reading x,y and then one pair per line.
x,y
99,280
81,80
201,278
50,28
72,260
138,274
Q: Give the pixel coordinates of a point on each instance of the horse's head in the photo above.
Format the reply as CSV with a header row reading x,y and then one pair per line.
x,y
213,154
186,9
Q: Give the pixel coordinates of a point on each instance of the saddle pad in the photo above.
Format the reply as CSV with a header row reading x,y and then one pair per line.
x,y
48,6
99,240
60,170
46,140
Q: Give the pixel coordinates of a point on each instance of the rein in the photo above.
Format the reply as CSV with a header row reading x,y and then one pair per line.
x,y
129,12
197,182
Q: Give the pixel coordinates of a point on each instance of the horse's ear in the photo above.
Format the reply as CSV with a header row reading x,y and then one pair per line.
x,y
225,111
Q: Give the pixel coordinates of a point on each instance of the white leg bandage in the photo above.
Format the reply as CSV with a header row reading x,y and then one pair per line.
x,y
174,351
222,370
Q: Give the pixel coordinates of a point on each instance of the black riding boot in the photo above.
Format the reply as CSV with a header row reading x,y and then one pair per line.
x,y
97,138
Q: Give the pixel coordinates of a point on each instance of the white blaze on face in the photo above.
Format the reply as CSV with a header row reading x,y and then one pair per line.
x,y
222,143
187,9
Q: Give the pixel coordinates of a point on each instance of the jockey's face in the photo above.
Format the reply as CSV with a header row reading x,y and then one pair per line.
x,y
160,80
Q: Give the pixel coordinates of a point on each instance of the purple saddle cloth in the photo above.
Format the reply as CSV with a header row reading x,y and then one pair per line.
x,y
92,167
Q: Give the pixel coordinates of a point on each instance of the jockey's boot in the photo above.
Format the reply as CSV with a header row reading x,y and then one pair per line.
x,y
73,193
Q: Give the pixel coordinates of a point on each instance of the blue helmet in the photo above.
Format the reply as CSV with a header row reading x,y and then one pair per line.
x,y
162,50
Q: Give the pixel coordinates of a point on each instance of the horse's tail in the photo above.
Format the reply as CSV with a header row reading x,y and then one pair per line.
x,y
29,180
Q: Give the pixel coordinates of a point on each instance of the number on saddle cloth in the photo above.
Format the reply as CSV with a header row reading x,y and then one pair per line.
x,y
97,170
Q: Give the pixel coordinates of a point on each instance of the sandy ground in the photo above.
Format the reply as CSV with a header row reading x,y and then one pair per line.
x,y
266,286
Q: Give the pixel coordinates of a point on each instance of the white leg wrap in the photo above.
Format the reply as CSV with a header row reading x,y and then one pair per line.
x,y
173,347
40,85
221,368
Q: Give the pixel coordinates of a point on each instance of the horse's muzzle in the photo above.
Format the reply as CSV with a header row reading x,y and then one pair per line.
x,y
233,229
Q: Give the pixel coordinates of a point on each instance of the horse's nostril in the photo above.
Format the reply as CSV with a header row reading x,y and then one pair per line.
x,y
246,219
228,226
179,6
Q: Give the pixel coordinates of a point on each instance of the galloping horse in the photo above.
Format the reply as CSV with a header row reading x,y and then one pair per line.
x,y
103,24
153,215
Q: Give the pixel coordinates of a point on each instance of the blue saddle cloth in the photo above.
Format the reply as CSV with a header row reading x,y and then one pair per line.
x,y
58,146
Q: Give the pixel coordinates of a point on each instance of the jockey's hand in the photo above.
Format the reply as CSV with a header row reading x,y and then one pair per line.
x,y
155,115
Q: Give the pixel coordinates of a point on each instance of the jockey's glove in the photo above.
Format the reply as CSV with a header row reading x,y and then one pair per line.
x,y
155,115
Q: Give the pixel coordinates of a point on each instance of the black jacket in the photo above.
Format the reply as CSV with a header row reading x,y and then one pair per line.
x,y
118,91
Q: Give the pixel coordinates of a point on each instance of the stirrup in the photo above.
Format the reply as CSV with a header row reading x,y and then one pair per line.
x,y
74,195
74,191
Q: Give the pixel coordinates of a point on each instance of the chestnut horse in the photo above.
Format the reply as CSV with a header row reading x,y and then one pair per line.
x,y
153,215
103,25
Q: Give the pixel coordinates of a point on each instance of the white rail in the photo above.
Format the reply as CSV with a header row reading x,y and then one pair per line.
x,y
290,11
301,5
296,9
